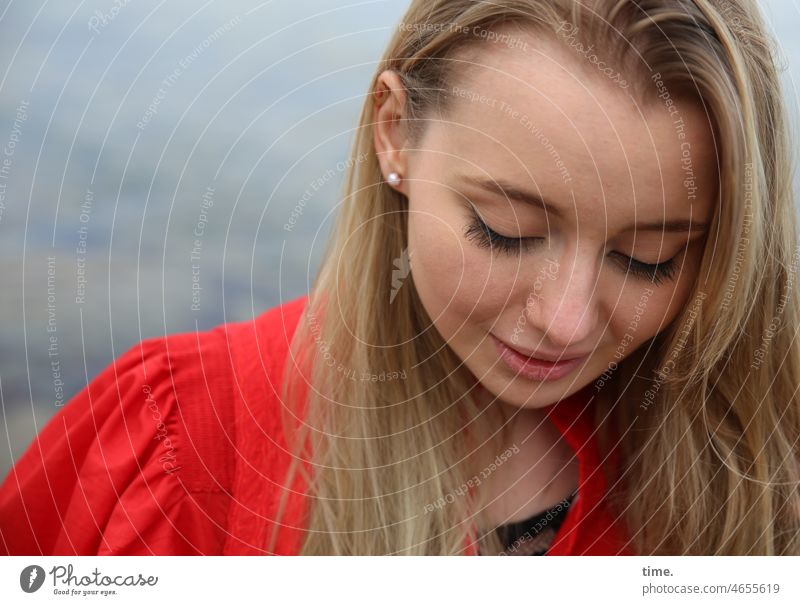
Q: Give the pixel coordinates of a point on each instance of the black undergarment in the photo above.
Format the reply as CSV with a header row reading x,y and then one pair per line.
x,y
532,536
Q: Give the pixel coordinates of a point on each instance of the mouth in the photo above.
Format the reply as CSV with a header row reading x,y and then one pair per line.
x,y
532,368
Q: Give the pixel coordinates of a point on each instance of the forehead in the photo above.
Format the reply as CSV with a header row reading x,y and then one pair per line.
x,y
540,114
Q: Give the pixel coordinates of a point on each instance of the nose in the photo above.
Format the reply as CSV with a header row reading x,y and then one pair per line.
x,y
562,307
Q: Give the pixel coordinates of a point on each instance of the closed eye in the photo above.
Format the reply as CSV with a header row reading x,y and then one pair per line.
x,y
484,236
654,272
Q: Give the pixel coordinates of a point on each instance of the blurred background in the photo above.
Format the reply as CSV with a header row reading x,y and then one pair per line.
x,y
153,155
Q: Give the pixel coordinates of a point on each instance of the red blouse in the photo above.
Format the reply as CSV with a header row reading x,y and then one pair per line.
x,y
176,448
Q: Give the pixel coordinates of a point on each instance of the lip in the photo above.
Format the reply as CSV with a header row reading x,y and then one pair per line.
x,y
533,368
552,357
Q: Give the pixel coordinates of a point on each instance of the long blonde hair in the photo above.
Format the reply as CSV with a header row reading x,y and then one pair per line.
x,y
707,411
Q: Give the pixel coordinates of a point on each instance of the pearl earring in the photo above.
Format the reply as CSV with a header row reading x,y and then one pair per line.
x,y
393,179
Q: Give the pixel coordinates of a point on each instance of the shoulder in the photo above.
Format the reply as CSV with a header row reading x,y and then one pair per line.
x,y
271,332
260,351
183,388
142,460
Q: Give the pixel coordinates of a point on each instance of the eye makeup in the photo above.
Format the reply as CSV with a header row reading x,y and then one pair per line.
x,y
484,236
655,272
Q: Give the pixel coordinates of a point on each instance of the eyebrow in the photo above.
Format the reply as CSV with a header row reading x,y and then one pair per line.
x,y
502,188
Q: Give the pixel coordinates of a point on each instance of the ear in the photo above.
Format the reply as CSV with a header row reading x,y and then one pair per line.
x,y
388,131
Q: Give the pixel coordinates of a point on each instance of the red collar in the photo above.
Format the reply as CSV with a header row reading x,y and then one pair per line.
x,y
589,528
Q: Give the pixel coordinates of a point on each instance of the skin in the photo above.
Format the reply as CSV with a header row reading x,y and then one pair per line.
x,y
571,292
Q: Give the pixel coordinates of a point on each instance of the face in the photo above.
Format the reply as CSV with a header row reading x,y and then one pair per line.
x,y
551,229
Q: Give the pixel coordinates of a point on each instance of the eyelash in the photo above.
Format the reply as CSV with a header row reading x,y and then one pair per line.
x,y
485,237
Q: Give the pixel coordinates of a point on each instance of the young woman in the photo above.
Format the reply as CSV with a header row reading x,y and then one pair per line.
x,y
557,314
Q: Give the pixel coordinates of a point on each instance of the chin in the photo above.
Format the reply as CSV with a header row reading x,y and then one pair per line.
x,y
533,397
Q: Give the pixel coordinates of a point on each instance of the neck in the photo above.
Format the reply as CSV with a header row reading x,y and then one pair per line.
x,y
539,472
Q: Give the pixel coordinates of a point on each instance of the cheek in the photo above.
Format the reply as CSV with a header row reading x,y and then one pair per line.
x,y
668,302
454,278
646,311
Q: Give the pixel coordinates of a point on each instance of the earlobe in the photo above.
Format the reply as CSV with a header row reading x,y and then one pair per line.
x,y
393,179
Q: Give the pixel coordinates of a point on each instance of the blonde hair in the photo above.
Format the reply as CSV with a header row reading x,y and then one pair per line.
x,y
710,440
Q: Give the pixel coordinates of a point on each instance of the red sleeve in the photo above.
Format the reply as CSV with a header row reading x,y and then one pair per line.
x,y
119,469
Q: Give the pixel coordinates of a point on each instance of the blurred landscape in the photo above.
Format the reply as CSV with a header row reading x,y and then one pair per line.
x,y
154,154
